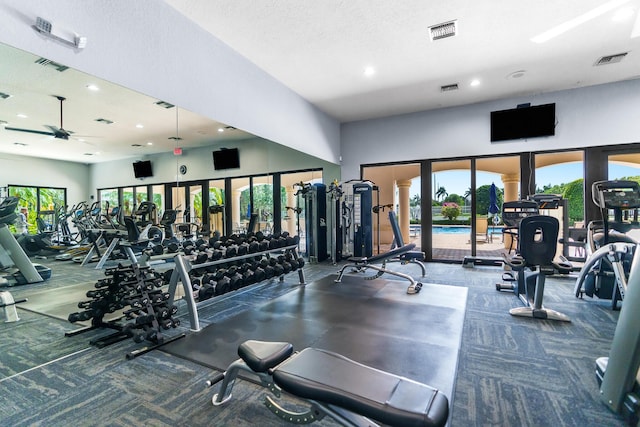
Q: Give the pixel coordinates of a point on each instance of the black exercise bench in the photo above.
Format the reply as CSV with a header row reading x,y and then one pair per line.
x,y
349,392
363,263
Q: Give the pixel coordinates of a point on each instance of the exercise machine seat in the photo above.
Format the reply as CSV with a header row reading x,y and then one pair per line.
x,y
333,379
534,260
261,356
538,240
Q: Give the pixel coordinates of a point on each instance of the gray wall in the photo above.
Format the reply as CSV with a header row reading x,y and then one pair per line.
x,y
597,115
31,171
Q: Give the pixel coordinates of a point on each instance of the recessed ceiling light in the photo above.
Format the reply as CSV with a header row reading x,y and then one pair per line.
x,y
149,143
139,125
475,82
369,71
93,87
220,130
22,116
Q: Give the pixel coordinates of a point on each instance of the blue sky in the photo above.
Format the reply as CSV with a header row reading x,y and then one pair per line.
x,y
457,182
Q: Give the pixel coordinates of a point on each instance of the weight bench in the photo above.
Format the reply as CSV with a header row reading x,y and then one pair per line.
x,y
363,263
349,392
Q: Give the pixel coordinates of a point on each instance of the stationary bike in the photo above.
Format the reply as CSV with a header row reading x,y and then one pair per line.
x,y
533,262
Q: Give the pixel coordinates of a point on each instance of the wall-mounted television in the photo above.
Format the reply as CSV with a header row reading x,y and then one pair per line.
x,y
523,122
227,158
142,169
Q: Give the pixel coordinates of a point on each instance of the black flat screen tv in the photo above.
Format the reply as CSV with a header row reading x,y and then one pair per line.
x,y
524,122
228,158
142,169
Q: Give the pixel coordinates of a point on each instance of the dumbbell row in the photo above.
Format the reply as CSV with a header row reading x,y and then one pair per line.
x,y
226,280
229,246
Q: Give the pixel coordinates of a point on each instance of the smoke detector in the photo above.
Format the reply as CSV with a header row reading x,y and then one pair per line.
x,y
444,30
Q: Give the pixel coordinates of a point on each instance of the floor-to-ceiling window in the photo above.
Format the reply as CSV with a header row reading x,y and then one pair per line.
x,y
625,166
562,174
46,205
216,209
397,188
451,227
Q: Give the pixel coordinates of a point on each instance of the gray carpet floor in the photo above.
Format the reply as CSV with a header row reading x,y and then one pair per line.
x,y
511,371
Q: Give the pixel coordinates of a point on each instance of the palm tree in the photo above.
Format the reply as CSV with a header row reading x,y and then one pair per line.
x,y
441,193
467,195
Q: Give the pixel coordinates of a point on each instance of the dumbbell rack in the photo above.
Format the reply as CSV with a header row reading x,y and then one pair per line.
x,y
133,286
181,274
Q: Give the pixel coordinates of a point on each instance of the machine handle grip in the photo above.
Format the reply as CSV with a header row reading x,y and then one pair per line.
x,y
215,379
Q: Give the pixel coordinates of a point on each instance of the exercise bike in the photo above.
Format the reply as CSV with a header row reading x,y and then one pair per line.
x,y
533,262
610,250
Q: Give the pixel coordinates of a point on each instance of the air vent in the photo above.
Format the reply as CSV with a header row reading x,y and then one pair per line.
x,y
444,30
136,145
229,128
175,138
611,59
449,88
164,104
88,154
20,144
4,95
105,121
48,63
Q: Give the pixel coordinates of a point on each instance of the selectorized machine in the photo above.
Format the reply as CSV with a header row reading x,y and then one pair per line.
x,y
356,218
315,214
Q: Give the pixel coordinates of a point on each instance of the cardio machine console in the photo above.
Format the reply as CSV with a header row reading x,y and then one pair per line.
x,y
616,194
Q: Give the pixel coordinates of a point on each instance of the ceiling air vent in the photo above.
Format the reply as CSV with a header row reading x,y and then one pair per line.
x,y
444,30
449,88
4,95
164,104
611,59
48,63
105,121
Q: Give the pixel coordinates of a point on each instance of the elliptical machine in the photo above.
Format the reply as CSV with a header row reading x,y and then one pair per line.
x,y
609,250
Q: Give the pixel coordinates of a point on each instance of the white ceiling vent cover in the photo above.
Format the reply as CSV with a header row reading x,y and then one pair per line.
x,y
449,88
444,30
611,59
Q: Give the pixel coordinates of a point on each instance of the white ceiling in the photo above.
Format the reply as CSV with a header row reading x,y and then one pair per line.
x,y
320,50
33,88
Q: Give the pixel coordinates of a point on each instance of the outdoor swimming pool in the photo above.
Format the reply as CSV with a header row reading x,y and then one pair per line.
x,y
450,229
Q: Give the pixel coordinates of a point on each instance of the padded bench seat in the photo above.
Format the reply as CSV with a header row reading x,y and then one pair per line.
x,y
332,379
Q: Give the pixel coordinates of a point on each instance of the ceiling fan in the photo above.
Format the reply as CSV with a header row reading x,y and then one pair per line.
x,y
56,132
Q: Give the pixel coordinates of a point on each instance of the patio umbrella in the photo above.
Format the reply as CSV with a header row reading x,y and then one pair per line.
x,y
493,200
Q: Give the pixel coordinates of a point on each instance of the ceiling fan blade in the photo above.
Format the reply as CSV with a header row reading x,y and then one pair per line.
x,y
59,132
39,132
